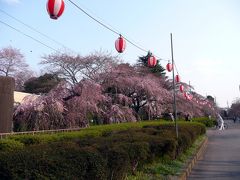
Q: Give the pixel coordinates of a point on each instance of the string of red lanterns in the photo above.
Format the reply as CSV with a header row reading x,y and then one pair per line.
x,y
169,68
55,9
187,95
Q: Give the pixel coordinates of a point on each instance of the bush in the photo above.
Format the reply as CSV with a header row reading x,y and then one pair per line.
x,y
10,145
205,120
117,161
188,133
28,139
109,152
138,153
53,161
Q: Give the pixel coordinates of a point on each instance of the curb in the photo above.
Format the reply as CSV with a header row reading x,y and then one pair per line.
x,y
191,162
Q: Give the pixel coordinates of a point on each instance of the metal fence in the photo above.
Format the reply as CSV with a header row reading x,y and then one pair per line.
x,y
4,135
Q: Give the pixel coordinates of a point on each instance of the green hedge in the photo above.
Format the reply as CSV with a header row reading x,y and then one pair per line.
x,y
94,131
53,161
205,120
10,145
109,152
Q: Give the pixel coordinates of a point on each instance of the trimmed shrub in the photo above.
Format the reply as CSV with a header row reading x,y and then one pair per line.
x,y
10,145
29,139
53,161
108,153
138,153
205,120
188,133
117,162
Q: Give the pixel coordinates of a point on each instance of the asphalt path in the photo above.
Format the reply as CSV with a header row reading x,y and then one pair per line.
x,y
222,156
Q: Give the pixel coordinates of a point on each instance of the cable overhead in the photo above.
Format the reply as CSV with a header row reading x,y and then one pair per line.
x,y
135,44
109,28
99,22
176,67
116,32
96,16
29,36
34,29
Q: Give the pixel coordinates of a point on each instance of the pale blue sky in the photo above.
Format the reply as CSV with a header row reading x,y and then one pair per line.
x,y
206,35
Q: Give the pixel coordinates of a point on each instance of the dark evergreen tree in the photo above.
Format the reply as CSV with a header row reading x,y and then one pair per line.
x,y
210,98
158,69
41,84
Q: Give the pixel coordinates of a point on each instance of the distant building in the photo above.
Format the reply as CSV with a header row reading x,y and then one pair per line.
x,y
19,96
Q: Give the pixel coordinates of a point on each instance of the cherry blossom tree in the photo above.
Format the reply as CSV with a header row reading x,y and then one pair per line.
x,y
75,67
86,104
12,64
140,91
39,113
11,61
122,93
21,77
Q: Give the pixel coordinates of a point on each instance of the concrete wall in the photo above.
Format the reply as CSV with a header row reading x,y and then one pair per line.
x,y
6,103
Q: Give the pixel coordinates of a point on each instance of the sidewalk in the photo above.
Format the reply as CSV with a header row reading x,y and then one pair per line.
x,y
222,157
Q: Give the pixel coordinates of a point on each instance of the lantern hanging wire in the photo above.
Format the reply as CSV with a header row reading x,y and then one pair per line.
x,y
111,29
33,38
116,32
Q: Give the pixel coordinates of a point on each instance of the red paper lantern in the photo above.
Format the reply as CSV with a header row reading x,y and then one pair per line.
x,y
152,61
177,78
169,67
120,44
181,88
188,96
55,8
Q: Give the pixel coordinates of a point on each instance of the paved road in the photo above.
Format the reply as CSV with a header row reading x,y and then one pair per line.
x,y
222,157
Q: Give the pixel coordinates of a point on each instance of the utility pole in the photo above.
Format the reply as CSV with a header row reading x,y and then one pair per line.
x,y
190,90
174,90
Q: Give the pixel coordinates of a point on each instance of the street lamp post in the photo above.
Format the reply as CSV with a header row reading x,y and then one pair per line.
x,y
174,90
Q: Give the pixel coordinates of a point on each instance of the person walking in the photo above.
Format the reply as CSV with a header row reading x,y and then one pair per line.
x,y
234,119
172,117
221,122
187,117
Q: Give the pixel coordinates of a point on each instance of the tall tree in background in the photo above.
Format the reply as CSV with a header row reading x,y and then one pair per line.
x,y
234,111
11,61
210,98
158,69
42,84
22,77
74,68
126,93
12,64
143,92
